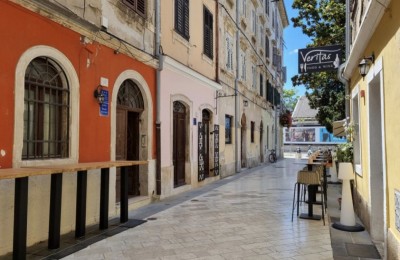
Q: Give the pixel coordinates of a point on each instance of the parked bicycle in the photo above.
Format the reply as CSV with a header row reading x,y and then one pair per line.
x,y
272,156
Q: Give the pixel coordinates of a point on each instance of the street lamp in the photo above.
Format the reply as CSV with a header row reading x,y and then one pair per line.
x,y
364,64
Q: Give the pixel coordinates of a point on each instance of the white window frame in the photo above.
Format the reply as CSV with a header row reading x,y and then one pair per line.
x,y
355,116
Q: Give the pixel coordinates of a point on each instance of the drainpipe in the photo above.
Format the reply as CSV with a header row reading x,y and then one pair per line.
x,y
346,87
217,41
237,168
343,66
158,96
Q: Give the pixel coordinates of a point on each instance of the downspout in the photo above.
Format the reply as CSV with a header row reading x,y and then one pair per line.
x,y
158,95
237,164
345,82
341,68
217,41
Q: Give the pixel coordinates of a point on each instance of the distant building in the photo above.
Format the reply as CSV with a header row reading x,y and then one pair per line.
x,y
305,128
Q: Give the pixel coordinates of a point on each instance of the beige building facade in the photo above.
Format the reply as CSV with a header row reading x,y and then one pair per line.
x,y
252,77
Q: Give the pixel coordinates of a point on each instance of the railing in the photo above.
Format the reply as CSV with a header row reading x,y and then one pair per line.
x,y
21,176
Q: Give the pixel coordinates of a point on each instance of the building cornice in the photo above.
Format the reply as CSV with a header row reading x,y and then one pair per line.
x,y
173,65
372,18
284,16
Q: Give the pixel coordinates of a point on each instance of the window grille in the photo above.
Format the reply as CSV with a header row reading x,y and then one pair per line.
x,y
46,111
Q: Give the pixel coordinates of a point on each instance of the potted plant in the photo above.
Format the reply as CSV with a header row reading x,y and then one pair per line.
x,y
344,152
285,119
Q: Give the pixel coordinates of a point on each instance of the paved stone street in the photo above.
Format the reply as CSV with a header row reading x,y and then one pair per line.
x,y
246,216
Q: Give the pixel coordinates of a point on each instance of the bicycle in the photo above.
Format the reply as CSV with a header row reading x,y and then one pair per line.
x,y
272,156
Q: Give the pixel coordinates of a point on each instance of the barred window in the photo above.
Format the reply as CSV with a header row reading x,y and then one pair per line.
x,y
139,6
46,111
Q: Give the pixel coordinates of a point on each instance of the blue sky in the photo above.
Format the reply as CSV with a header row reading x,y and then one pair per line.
x,y
294,40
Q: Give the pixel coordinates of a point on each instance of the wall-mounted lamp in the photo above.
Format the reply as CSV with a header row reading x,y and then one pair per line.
x,y
245,103
99,95
364,64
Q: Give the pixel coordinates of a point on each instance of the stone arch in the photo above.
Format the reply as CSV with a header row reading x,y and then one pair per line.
x,y
72,77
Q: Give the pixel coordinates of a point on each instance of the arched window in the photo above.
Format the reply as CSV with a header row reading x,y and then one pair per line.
x,y
130,97
46,111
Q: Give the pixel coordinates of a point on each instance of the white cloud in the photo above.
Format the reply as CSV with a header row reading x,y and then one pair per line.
x,y
294,51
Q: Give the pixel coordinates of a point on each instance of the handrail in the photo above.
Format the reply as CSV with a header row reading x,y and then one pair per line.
x,y
21,176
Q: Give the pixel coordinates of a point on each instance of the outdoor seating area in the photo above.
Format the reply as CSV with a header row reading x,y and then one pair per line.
x,y
311,180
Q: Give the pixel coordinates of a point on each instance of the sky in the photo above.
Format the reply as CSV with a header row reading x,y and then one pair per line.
x,y
294,40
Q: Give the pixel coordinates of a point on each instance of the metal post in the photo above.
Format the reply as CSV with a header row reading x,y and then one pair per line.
x,y
20,217
81,192
104,197
124,195
55,211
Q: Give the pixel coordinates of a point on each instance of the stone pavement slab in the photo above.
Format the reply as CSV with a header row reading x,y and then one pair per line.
x,y
246,216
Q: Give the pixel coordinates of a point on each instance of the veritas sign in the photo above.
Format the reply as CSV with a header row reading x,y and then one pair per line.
x,y
319,58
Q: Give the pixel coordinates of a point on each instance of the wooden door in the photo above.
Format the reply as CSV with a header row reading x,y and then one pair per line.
x,y
127,148
133,152
179,143
130,105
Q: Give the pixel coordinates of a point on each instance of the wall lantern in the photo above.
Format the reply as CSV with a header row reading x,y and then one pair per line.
x,y
99,95
245,103
364,64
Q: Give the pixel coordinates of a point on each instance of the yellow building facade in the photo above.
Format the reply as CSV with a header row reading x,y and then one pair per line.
x,y
373,106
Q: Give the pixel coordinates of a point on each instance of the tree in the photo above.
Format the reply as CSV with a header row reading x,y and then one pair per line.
x,y
290,98
324,22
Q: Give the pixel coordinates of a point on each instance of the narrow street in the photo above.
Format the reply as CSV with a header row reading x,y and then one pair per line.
x,y
246,216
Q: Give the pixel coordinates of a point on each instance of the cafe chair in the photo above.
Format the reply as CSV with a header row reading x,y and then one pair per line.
x,y
305,178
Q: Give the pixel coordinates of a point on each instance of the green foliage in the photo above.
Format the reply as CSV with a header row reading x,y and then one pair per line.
x,y
324,22
344,152
290,98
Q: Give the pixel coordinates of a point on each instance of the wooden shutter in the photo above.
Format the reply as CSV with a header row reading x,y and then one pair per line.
x,y
208,32
186,18
139,6
182,18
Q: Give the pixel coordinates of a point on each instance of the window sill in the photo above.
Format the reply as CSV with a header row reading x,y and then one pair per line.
x,y
358,169
177,37
207,59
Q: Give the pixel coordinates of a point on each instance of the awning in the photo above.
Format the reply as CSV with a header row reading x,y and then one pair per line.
x,y
338,127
